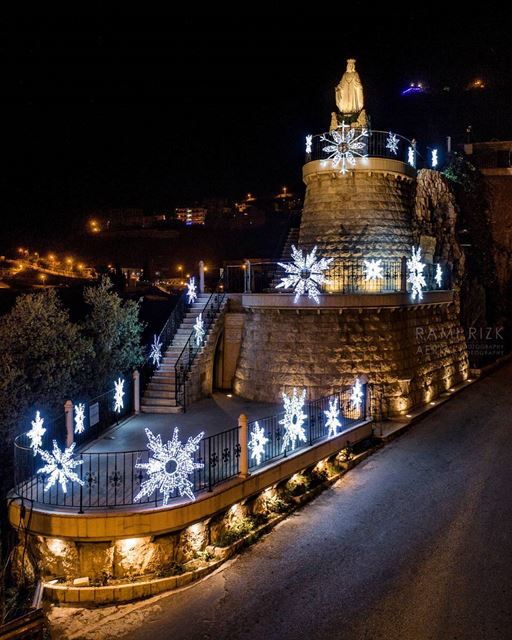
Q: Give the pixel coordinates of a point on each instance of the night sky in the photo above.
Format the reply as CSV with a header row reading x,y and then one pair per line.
x,y
158,112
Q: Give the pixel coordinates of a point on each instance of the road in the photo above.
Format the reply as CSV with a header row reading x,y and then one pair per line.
x,y
414,543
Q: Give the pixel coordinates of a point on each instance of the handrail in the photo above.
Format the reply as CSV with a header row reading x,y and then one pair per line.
x,y
165,337
191,348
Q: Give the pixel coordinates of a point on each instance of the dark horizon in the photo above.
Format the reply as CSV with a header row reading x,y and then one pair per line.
x,y
158,113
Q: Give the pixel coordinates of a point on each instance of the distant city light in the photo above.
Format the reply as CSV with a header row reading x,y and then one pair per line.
x,y
478,83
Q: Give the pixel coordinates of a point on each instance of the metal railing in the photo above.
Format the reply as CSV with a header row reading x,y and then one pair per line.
x,y
193,346
314,425
165,337
343,276
376,144
100,414
112,479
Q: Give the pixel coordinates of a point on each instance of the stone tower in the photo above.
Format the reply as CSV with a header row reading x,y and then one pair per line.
x,y
360,211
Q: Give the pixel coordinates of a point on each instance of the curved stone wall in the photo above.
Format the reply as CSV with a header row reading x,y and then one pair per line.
x,y
357,215
410,354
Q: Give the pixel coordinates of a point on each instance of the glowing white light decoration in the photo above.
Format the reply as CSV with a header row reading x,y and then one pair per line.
x,y
411,157
156,351
293,419
37,432
373,269
356,397
435,159
199,330
309,143
392,143
170,466
59,467
332,414
439,276
345,146
415,274
191,290
118,395
79,417
305,274
257,443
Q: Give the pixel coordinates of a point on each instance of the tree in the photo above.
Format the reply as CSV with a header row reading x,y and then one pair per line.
x,y
115,330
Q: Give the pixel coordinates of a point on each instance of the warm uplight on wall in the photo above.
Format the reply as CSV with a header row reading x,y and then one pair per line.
x,y
56,546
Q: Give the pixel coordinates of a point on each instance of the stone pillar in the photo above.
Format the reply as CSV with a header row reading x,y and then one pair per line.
x,y
247,276
244,449
136,392
68,412
201,276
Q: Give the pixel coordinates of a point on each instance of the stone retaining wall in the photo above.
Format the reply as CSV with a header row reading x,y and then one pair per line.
x,y
409,354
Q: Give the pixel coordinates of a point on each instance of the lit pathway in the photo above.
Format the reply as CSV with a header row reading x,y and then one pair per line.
x,y
211,415
415,544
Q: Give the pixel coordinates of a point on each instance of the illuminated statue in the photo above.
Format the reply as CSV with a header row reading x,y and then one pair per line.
x,y
349,92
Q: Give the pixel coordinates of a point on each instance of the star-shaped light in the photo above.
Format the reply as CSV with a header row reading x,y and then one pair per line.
x,y
373,269
155,353
332,414
356,397
392,143
411,157
170,466
199,331
79,417
118,395
345,146
415,273
439,276
191,290
309,142
59,467
257,443
305,274
293,420
36,433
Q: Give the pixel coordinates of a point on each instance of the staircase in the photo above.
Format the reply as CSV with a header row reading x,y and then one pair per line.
x,y
291,239
160,394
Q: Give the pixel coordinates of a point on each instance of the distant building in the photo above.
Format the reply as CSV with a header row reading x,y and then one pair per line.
x,y
196,215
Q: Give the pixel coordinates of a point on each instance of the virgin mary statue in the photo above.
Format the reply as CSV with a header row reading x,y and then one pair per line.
x,y
349,92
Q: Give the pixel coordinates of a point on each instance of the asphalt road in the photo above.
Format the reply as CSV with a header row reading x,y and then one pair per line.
x,y
413,544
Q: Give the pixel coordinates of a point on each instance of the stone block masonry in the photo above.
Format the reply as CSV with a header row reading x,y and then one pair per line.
x,y
409,354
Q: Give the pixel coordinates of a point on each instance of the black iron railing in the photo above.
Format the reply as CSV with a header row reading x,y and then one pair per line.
x,y
194,345
355,276
370,143
165,337
314,425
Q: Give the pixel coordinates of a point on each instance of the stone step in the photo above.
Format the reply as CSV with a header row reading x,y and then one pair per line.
x,y
158,394
153,408
161,402
161,386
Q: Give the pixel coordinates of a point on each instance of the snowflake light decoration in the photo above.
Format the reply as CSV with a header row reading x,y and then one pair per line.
x,y
59,467
345,146
356,397
191,290
293,419
309,143
79,417
257,443
411,157
373,269
392,143
170,466
199,330
332,414
305,274
415,274
36,433
155,353
439,276
118,395
435,158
